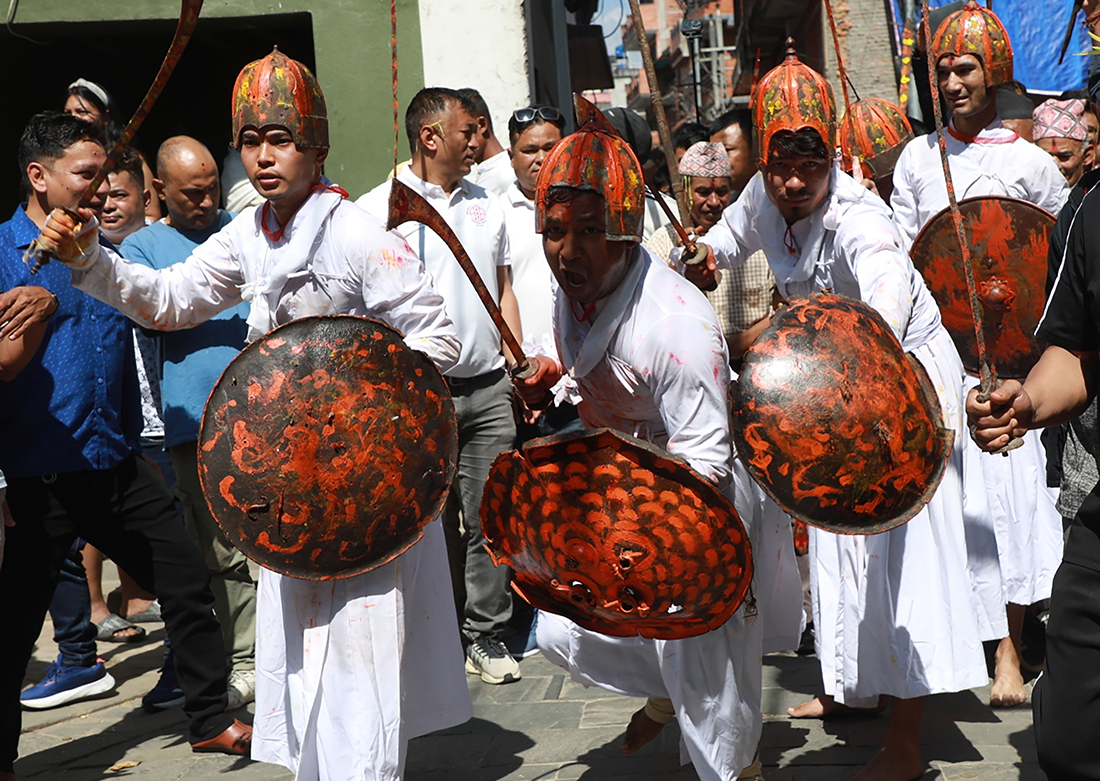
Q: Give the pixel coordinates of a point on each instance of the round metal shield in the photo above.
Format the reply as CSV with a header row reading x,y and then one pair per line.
x,y
838,425
1008,250
617,535
326,447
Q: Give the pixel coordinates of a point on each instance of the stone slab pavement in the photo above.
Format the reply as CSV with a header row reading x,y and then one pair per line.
x,y
542,728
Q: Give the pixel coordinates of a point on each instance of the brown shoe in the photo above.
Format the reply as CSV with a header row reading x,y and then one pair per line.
x,y
236,739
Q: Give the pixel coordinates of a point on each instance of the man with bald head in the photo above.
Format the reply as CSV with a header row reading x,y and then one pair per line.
x,y
187,181
191,361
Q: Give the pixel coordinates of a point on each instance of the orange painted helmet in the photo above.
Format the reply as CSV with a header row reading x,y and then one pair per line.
x,y
876,131
280,91
792,96
978,31
597,159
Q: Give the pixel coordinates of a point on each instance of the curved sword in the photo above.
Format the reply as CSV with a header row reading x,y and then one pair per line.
x,y
39,253
408,205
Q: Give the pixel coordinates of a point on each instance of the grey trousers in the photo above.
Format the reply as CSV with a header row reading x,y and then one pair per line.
x,y
486,428
232,584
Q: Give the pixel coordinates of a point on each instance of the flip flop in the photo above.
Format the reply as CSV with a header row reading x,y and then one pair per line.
x,y
150,615
107,629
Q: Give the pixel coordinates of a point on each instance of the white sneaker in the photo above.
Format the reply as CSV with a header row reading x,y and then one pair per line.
x,y
490,659
241,687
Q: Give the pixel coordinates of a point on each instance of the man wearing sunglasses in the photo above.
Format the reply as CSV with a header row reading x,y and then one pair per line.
x,y
532,132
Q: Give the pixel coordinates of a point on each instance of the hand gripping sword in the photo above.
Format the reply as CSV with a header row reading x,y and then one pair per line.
x,y
39,253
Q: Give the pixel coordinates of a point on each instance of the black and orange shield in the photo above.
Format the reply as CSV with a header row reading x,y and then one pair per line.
x,y
617,535
1009,239
838,425
326,447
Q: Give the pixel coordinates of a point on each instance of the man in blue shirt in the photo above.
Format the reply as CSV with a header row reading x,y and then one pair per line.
x,y
191,361
71,422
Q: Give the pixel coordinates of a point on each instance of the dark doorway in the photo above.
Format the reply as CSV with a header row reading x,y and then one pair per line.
x,y
124,57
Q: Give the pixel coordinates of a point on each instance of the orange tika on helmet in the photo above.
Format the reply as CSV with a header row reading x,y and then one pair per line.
x,y
280,91
792,96
596,158
978,31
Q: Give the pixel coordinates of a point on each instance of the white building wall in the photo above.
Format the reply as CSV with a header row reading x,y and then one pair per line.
x,y
481,45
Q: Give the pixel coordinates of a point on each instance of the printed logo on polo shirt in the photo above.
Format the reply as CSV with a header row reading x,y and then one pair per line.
x,y
476,213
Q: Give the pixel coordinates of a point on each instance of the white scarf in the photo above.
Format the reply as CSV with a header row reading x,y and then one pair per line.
x,y
291,257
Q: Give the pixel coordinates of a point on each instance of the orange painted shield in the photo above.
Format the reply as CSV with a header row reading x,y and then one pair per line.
x,y
838,425
616,535
1008,244
326,447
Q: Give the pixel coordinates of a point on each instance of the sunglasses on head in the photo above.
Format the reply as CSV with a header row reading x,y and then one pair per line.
x,y
548,113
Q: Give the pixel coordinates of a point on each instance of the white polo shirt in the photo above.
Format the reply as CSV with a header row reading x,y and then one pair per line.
x,y
477,218
495,174
531,277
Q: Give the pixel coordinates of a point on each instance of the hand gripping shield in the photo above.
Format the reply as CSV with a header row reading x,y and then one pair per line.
x,y
326,447
616,535
1009,239
838,425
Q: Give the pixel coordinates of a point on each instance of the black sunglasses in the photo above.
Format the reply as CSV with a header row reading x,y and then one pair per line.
x,y
548,113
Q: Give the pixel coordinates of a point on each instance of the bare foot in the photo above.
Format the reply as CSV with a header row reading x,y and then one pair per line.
x,y
135,607
892,764
640,731
824,705
1008,684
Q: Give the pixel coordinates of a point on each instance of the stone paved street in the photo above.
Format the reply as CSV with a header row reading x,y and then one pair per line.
x,y
544,728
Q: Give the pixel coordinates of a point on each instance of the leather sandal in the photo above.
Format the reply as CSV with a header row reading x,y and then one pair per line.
x,y
235,739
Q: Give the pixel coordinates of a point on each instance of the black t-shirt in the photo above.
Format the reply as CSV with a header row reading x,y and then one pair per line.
x,y
1072,321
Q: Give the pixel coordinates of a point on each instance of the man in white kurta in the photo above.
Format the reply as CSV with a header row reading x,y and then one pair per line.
x,y
347,670
892,611
1013,530
648,358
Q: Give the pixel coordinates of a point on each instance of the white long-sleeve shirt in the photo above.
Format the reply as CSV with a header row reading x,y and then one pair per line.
x,y
848,244
355,267
651,361
995,162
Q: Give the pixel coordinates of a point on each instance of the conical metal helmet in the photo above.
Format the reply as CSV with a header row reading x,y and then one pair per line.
x,y
876,131
978,31
792,96
596,158
280,91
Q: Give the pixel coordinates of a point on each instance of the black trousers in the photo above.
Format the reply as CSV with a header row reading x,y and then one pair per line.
x,y
127,513
1066,700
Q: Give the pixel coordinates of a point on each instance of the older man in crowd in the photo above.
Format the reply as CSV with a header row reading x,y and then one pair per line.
x,y
1059,129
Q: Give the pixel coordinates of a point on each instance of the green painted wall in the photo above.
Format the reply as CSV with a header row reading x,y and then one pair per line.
x,y
352,48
